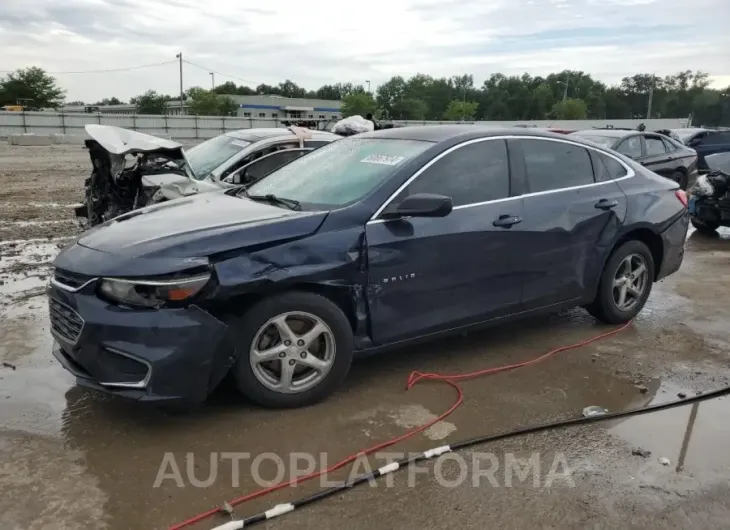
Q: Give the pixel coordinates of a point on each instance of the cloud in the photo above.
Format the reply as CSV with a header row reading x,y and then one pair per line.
x,y
326,41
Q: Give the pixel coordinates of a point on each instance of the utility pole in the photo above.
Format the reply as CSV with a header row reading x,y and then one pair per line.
x,y
651,96
565,90
212,80
182,97
368,82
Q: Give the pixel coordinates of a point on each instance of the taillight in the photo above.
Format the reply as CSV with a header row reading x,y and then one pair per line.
x,y
682,196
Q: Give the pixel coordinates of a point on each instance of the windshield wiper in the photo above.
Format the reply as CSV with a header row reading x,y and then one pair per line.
x,y
270,197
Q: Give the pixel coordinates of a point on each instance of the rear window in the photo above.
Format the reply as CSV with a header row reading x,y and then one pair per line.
x,y
603,141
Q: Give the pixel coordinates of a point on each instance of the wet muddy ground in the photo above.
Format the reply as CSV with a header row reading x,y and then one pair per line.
x,y
71,458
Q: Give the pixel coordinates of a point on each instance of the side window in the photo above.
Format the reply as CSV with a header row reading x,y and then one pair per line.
x,y
474,173
615,168
654,146
717,138
258,169
669,145
314,144
630,147
554,165
607,168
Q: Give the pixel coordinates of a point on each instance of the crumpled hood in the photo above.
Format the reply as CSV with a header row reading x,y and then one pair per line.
x,y
179,234
120,141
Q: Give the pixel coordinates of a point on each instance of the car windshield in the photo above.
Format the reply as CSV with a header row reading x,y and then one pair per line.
x,y
207,156
340,173
603,141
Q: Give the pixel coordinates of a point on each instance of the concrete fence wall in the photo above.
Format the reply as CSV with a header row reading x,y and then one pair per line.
x,y
202,127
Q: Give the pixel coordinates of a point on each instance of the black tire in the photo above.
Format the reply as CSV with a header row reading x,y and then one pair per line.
x,y
704,227
249,325
604,307
680,177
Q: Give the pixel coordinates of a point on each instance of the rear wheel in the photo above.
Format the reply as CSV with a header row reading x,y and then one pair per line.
x,y
296,349
704,227
625,284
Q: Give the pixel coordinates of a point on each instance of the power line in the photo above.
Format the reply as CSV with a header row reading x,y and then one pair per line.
x,y
103,71
247,81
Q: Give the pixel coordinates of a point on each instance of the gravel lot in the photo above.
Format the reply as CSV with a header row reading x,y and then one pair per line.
x,y
71,458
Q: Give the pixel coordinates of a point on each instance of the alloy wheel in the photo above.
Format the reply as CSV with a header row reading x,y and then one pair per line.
x,y
292,352
630,282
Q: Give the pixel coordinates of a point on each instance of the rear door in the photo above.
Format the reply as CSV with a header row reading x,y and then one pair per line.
x,y
571,213
656,156
431,274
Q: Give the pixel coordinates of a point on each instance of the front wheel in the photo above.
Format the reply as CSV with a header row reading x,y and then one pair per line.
x,y
625,284
295,349
704,227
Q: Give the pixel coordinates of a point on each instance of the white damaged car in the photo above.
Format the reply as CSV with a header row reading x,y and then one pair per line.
x,y
131,169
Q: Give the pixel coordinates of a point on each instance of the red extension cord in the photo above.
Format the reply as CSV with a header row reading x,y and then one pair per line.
x,y
413,379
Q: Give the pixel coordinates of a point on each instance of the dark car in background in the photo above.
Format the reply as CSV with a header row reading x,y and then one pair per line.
x,y
370,242
659,153
705,142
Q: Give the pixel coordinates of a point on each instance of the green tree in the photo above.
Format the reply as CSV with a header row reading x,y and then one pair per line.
x,y
409,109
357,103
31,87
290,89
570,109
461,110
110,101
150,103
209,103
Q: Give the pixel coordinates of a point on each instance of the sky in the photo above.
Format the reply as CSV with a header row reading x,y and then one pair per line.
x,y
318,42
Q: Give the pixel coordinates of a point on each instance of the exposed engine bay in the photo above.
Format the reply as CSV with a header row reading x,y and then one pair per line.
x,y
120,161
115,185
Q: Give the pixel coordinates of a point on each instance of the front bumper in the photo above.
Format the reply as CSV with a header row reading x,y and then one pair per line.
x,y
673,239
147,355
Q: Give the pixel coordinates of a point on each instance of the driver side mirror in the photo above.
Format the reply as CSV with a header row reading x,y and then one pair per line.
x,y
420,205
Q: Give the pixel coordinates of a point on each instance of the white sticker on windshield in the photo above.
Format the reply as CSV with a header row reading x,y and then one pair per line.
x,y
239,144
387,160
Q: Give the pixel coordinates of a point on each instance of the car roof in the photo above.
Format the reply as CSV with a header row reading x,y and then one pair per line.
x,y
608,133
256,135
689,130
440,133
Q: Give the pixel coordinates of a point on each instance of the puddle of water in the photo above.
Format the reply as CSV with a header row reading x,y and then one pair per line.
x,y
12,242
691,437
28,287
52,205
30,393
37,223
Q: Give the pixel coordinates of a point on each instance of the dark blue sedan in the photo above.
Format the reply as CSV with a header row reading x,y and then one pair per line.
x,y
369,242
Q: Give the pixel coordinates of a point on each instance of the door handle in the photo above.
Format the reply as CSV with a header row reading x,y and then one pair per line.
x,y
605,204
506,221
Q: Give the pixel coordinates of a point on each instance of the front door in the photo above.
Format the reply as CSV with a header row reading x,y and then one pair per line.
x,y
431,274
570,220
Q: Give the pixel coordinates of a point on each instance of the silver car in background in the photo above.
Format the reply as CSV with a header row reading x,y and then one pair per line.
x,y
132,169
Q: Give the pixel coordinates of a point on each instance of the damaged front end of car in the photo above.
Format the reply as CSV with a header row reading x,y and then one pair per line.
x,y
127,171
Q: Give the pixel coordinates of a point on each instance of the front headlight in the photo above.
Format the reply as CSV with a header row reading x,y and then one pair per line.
x,y
152,293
